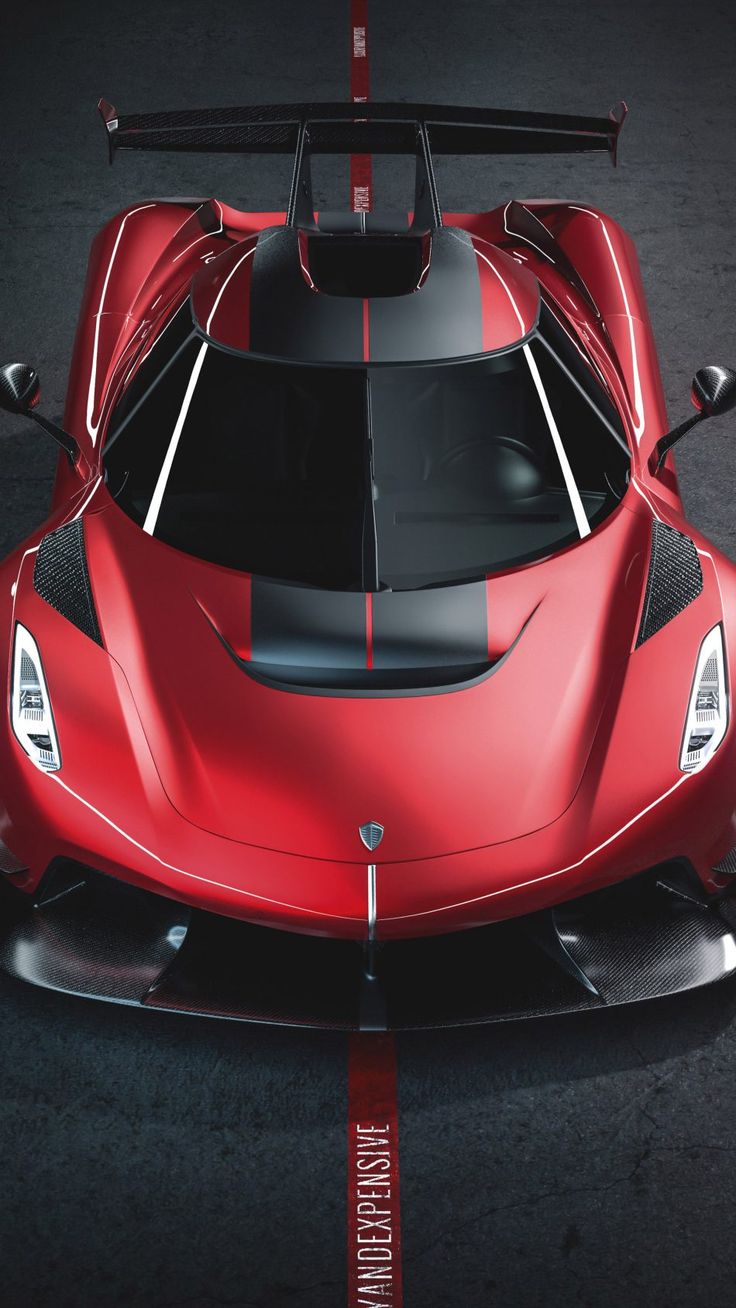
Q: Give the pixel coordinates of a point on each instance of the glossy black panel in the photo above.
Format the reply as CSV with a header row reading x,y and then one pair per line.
x,y
367,683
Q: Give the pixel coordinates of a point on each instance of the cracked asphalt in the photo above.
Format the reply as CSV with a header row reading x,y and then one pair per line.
x,y
157,1162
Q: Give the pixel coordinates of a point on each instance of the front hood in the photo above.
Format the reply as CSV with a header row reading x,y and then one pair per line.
x,y
495,753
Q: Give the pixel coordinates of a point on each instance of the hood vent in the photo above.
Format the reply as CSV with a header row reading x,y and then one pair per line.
x,y
61,578
675,579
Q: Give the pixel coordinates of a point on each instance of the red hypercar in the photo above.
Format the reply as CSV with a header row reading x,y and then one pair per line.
x,y
366,671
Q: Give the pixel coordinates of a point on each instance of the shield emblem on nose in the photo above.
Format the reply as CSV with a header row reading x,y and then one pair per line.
x,y
371,833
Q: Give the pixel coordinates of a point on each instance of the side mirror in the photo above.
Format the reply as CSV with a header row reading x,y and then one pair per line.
x,y
20,391
713,392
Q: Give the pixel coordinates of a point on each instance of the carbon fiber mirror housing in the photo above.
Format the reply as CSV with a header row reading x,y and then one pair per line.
x,y
20,388
20,391
713,392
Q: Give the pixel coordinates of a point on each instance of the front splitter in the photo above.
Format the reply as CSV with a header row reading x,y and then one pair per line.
x,y
89,935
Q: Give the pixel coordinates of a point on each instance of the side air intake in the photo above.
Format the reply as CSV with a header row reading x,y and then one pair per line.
x,y
727,865
61,578
675,579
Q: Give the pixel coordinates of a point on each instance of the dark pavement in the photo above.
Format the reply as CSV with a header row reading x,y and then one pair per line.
x,y
158,1162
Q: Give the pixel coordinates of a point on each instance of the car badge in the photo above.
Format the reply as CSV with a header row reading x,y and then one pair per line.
x,y
371,833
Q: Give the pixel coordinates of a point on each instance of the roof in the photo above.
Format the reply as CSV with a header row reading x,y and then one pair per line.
x,y
359,292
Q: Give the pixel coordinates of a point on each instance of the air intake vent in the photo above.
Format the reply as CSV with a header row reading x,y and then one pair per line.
x,y
675,579
727,865
366,266
61,578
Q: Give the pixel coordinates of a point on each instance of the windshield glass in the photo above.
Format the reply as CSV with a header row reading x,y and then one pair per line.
x,y
366,477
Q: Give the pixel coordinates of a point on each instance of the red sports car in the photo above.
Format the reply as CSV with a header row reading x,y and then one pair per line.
x,y
366,672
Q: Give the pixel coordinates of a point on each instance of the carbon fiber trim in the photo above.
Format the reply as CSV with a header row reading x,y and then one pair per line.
x,y
675,579
94,937
384,128
61,578
629,949
727,865
90,935
359,138
397,110
8,862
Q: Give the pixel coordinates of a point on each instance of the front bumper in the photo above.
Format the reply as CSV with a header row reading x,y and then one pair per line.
x,y
88,934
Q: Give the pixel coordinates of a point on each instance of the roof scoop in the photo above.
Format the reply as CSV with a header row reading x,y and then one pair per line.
x,y
366,266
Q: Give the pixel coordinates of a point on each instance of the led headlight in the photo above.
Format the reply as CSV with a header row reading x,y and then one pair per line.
x,y
30,707
707,714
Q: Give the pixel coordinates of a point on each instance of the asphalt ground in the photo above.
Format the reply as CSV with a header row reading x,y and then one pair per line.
x,y
158,1161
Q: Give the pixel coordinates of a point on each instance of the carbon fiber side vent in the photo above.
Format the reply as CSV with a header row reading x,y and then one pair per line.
x,y
61,578
675,579
727,865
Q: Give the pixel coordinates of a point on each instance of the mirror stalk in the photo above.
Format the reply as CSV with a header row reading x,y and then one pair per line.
x,y
665,443
713,392
58,434
20,391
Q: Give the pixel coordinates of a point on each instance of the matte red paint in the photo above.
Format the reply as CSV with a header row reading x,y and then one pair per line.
x,y
221,294
557,774
509,296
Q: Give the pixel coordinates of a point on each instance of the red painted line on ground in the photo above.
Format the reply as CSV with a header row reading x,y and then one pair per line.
x,y
361,172
368,629
374,1229
374,1222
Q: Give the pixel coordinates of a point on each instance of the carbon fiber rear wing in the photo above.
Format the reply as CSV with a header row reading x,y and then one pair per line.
x,y
368,128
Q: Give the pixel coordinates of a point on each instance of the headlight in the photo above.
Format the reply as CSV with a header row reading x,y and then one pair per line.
x,y
707,714
30,707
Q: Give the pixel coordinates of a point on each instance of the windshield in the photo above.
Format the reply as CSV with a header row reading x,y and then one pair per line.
x,y
366,477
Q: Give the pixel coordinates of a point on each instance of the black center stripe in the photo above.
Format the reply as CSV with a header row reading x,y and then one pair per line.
x,y
289,320
441,320
319,638
297,626
440,627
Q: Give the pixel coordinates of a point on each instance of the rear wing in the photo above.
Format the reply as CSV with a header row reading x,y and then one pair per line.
x,y
363,128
